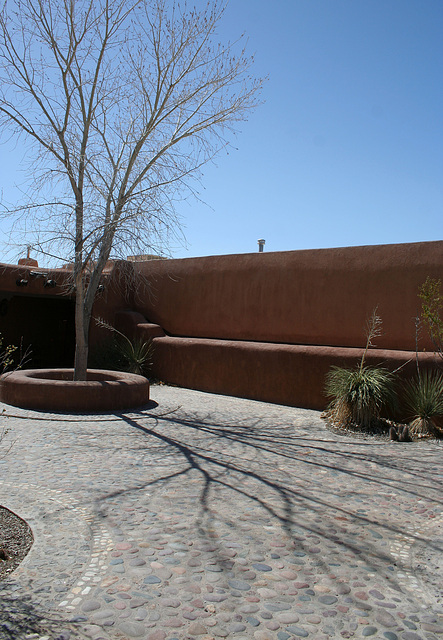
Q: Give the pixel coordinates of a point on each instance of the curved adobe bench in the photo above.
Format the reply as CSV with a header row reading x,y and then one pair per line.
x,y
55,390
286,374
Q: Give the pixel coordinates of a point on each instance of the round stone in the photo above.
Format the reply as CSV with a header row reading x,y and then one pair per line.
x,y
132,629
157,635
289,574
385,618
140,614
263,634
410,625
272,625
164,574
197,629
138,602
103,613
369,631
190,615
262,567
173,622
91,605
343,589
287,618
433,628
327,599
266,615
277,606
298,631
241,585
216,597
170,602
267,593
119,568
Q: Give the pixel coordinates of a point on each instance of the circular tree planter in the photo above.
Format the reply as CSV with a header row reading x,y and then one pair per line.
x,y
55,390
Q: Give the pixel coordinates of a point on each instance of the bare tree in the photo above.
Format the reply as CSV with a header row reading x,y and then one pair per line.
x,y
123,101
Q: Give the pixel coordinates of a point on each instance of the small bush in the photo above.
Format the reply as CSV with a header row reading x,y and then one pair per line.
x,y
423,397
432,305
6,356
136,355
359,395
123,354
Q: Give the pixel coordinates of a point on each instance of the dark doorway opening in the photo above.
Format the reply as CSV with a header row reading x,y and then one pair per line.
x,y
45,325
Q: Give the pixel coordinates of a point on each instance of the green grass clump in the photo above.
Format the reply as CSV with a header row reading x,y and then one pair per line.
x,y
423,397
136,355
359,395
123,354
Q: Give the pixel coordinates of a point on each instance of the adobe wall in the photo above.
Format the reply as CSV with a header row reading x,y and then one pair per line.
x,y
41,317
266,326
317,297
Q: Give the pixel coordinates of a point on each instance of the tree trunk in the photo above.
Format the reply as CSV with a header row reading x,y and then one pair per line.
x,y
81,333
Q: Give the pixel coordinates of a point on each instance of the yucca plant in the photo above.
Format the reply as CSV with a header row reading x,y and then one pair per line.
x,y
359,394
423,396
133,356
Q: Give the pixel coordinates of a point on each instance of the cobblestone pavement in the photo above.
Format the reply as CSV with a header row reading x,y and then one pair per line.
x,y
212,517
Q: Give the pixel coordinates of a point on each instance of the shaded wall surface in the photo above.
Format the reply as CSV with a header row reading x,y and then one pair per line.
x,y
42,327
319,297
41,317
37,317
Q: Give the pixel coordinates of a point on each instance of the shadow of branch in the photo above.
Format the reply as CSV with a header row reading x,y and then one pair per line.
x,y
269,489
20,619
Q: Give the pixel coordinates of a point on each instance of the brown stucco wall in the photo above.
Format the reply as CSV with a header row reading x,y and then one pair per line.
x,y
318,297
266,326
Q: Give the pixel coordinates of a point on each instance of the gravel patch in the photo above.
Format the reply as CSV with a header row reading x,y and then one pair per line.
x,y
15,541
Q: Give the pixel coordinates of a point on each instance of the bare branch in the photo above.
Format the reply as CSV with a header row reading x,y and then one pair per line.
x,y
123,103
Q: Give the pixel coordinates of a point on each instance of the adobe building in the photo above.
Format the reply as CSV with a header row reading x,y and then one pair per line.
x,y
266,326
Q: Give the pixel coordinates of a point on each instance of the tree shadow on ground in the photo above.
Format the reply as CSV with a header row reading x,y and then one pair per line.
x,y
20,619
276,464
279,470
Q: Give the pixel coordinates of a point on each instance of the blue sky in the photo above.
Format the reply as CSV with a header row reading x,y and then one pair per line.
x,y
347,148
